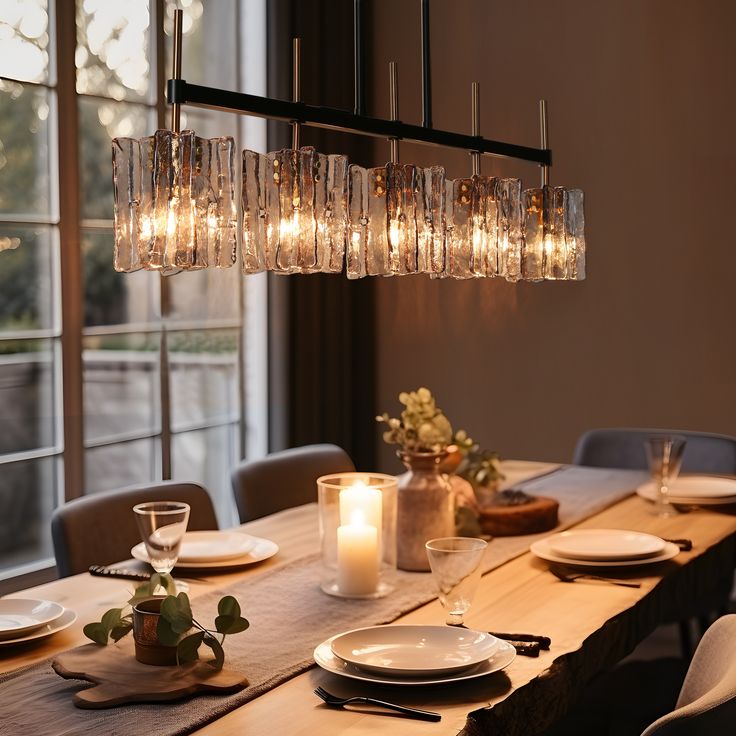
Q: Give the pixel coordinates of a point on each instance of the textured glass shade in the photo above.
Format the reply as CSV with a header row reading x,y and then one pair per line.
x,y
472,223
508,196
554,238
383,220
294,211
174,204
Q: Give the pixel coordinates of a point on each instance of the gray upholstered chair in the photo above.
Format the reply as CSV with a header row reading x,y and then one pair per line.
x,y
284,479
101,528
624,448
707,702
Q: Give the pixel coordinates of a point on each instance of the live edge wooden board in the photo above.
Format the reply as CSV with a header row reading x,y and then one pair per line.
x,y
591,627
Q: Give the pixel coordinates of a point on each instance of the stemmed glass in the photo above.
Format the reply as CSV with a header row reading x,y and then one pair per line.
x,y
162,525
664,453
455,565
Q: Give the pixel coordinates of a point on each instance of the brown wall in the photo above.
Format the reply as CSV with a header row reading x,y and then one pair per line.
x,y
642,103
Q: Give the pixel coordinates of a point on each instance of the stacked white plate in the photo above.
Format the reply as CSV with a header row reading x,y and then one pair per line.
x,y
413,655
212,550
26,619
604,548
695,490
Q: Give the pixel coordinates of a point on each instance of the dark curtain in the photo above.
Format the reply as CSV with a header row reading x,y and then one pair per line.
x,y
328,323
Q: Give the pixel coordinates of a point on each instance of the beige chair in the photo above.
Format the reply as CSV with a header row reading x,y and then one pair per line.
x,y
707,702
285,479
101,528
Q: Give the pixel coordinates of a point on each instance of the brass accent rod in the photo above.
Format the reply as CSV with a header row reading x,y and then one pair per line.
x,y
393,94
543,138
296,88
176,107
475,124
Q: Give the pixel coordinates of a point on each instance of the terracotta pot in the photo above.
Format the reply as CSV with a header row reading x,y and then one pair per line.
x,y
148,649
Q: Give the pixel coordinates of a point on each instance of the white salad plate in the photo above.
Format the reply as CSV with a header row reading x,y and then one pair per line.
x,y
542,550
605,544
63,622
705,490
414,651
261,550
213,546
329,661
21,615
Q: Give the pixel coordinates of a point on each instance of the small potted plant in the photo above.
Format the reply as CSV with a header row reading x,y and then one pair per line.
x,y
164,629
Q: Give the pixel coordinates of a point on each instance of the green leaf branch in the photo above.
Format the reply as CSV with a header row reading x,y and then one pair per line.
x,y
175,622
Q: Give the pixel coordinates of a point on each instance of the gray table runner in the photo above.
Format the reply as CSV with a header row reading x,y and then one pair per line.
x,y
289,616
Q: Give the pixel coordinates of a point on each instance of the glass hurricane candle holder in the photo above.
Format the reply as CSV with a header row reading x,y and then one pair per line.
x,y
357,529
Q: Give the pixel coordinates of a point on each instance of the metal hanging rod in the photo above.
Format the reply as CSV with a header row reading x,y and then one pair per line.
x,y
426,68
179,91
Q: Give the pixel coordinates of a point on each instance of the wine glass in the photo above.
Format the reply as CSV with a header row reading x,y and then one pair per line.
x,y
162,525
455,565
664,453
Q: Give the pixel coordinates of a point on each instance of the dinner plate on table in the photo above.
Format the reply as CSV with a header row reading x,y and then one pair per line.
x,y
67,618
214,546
21,615
694,490
261,550
542,549
414,651
605,544
329,661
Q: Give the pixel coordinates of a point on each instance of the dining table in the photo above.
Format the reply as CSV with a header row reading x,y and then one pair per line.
x,y
591,625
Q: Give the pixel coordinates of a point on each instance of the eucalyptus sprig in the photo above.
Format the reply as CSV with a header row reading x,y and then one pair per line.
x,y
174,623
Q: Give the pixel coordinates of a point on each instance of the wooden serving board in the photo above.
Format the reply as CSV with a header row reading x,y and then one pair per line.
x,y
118,677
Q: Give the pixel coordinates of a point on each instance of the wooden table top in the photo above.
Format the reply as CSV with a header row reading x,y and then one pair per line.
x,y
520,596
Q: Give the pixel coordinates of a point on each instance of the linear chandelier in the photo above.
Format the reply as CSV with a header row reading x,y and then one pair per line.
x,y
307,212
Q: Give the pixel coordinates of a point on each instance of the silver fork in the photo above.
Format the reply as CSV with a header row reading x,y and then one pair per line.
x,y
335,702
571,577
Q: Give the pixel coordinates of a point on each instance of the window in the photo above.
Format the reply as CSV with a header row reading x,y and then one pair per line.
x,y
197,338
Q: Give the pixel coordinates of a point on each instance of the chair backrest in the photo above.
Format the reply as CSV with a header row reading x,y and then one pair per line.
x,y
101,528
624,448
285,479
707,702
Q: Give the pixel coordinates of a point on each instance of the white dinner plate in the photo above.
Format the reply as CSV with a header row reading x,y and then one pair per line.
x,y
261,550
694,490
542,550
213,546
414,651
63,622
605,544
328,660
21,615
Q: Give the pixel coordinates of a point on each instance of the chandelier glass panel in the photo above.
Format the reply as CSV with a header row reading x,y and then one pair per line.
x,y
306,212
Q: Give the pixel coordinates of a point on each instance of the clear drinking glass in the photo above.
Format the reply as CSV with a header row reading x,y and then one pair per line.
x,y
455,564
664,453
162,525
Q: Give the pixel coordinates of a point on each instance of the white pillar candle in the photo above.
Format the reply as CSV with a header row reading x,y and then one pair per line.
x,y
357,556
361,497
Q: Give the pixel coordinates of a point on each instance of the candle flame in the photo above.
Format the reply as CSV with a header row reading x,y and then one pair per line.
x,y
357,518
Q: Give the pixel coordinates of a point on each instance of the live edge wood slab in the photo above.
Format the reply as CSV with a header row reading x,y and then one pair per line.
x,y
118,677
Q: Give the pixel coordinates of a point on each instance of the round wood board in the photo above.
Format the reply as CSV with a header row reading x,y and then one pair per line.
x,y
118,677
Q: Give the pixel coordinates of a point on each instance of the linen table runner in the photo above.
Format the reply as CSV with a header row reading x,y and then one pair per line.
x,y
289,616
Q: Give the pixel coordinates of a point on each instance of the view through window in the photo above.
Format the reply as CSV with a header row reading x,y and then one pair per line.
x,y
214,321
